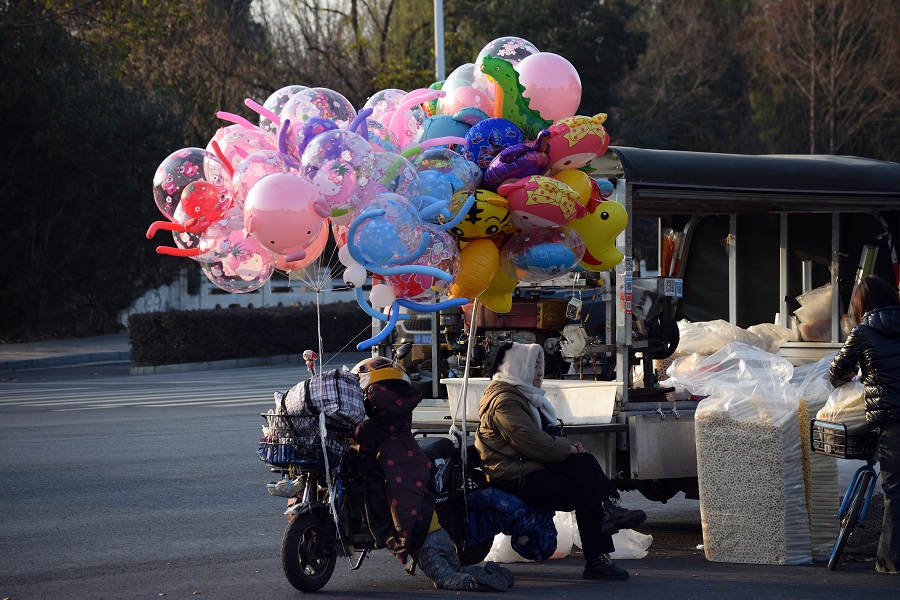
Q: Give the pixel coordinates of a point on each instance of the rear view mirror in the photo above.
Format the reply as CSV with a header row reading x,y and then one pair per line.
x,y
402,351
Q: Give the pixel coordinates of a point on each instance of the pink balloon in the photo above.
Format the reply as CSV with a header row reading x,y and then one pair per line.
x,y
313,252
551,83
464,97
284,213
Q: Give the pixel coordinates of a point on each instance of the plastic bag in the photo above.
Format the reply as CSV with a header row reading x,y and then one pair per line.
x,y
847,405
708,337
815,305
811,380
772,336
747,433
630,544
566,528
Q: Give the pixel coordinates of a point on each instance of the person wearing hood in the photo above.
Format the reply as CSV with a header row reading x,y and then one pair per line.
x,y
521,455
873,348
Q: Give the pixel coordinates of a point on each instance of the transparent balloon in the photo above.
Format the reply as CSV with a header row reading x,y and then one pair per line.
x,y
241,143
390,173
252,169
381,138
333,161
182,168
391,238
451,165
384,102
322,103
441,253
466,87
510,48
542,253
275,104
239,263
183,239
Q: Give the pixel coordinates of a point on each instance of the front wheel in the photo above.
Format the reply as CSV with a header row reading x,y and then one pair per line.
x,y
850,518
306,559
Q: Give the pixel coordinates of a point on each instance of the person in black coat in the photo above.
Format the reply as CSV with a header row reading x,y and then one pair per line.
x,y
873,347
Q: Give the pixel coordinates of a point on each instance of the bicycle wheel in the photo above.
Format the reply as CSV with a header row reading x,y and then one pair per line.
x,y
850,518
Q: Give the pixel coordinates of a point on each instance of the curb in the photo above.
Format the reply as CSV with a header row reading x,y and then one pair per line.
x,y
65,360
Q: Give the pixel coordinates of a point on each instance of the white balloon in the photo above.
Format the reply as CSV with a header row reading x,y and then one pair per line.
x,y
344,256
382,295
355,275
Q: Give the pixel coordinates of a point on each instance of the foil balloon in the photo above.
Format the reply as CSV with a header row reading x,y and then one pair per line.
x,y
478,262
518,161
538,201
576,141
599,228
487,139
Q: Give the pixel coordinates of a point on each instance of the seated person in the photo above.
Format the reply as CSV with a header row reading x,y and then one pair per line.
x,y
398,484
546,472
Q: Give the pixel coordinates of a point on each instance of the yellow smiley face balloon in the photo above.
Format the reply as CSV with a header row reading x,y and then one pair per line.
x,y
489,216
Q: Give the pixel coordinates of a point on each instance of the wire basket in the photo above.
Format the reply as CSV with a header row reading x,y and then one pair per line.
x,y
832,439
282,446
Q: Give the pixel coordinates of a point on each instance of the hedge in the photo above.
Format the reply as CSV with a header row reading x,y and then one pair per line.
x,y
184,336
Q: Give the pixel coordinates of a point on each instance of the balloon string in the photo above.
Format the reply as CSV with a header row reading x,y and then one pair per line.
x,y
262,111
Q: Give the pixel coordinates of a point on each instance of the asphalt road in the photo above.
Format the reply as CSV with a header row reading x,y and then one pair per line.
x,y
119,486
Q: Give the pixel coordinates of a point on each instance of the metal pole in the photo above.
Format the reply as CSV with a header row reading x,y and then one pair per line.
x,y
439,40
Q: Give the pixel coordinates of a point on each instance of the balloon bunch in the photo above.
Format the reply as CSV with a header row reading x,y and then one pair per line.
x,y
459,190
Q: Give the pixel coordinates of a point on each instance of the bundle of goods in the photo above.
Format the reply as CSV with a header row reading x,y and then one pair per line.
x,y
814,314
749,460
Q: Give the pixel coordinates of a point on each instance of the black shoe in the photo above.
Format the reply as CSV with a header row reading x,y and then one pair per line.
x,y
602,567
617,517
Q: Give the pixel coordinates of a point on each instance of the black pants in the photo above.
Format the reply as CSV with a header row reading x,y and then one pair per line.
x,y
889,462
577,483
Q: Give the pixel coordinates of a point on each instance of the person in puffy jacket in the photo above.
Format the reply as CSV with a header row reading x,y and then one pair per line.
x,y
873,347
546,471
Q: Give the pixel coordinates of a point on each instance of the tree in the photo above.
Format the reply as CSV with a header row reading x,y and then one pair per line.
x,y
688,91
837,59
75,184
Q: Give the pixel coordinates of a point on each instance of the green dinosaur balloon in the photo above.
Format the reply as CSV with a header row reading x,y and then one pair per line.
x,y
509,103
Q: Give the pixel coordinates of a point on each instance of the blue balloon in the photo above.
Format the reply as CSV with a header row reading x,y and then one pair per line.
x,y
487,138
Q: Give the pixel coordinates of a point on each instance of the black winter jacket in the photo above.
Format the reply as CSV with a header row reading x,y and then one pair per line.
x,y
874,346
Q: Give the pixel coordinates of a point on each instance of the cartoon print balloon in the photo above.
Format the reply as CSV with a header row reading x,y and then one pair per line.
x,y
384,102
239,144
510,48
236,263
489,216
518,161
285,212
466,87
333,161
542,253
440,253
275,104
184,167
253,168
539,201
488,138
576,141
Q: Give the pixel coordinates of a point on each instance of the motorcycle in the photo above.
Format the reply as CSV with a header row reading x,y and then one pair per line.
x,y
329,511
